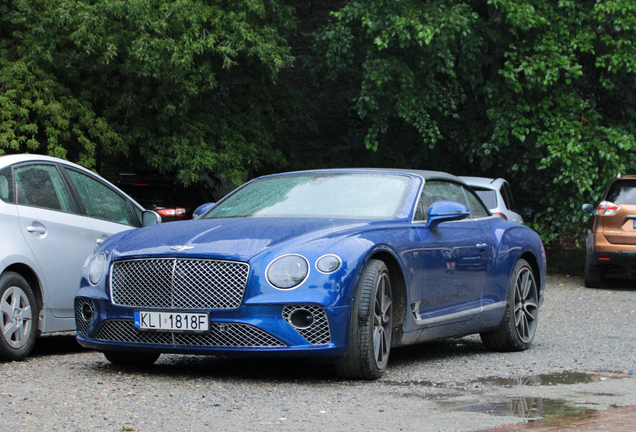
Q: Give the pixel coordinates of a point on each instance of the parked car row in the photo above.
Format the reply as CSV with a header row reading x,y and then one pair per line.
x,y
341,265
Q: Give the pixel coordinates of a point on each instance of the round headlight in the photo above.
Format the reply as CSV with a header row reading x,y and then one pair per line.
x,y
328,263
96,270
287,271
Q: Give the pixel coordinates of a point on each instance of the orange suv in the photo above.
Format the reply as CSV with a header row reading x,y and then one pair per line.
x,y
611,232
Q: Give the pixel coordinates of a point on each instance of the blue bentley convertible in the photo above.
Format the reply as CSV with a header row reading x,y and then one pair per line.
x,y
335,264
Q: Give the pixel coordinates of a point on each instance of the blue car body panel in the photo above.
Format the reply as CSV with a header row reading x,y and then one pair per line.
x,y
452,280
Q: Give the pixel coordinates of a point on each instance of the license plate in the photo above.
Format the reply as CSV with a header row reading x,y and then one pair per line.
x,y
172,321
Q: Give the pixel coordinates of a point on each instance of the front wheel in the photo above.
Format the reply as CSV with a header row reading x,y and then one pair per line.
x,y
371,325
521,316
18,322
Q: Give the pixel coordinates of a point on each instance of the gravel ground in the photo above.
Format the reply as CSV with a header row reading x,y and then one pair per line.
x,y
585,340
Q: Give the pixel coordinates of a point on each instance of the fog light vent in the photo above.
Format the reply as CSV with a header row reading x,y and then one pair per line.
x,y
84,314
310,321
301,319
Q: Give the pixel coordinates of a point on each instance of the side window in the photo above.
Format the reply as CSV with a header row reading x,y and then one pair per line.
x,y
477,209
511,201
435,190
100,201
506,197
455,193
6,185
42,186
488,196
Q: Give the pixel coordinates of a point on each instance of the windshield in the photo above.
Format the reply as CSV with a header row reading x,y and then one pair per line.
x,y
323,195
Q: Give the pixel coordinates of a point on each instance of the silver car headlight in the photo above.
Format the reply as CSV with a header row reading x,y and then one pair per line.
x,y
287,271
96,268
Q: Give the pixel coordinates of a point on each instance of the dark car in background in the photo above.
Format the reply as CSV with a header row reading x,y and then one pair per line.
x,y
611,232
167,196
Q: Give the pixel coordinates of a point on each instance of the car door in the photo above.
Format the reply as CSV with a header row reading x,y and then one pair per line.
x,y
108,211
455,261
58,236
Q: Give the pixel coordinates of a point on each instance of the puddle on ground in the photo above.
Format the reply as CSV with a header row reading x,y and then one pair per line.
x,y
554,379
539,411
563,378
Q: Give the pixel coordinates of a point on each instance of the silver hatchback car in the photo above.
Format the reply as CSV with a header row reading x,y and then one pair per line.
x,y
497,195
53,213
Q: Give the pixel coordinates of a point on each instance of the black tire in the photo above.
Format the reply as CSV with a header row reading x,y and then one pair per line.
x,y
592,275
521,317
18,317
370,327
131,358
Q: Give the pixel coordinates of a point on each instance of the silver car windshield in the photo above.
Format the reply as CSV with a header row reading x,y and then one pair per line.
x,y
372,196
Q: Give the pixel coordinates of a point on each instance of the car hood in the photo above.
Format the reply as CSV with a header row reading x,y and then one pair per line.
x,y
234,239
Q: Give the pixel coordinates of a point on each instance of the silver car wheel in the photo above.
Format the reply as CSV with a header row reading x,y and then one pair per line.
x,y
526,305
382,321
16,317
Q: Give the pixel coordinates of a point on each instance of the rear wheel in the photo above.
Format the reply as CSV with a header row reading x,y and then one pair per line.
x,y
18,321
131,358
521,316
592,275
370,327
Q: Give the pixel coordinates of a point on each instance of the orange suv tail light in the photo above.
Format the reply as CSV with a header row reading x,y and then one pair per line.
x,y
606,208
501,215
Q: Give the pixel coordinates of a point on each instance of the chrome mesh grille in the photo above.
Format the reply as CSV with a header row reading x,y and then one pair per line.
x,y
82,324
220,335
179,283
316,334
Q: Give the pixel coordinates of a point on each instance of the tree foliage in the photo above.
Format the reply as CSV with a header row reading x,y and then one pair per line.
x,y
192,86
539,91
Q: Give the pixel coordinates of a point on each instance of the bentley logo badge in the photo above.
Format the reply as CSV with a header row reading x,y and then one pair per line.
x,y
181,248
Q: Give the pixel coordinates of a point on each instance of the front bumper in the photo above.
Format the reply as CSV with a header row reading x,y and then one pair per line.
x,y
247,330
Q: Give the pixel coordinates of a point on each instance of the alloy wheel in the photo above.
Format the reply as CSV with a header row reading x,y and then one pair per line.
x,y
16,317
382,321
526,305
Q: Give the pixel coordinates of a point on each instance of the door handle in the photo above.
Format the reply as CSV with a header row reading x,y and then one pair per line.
x,y
36,229
481,245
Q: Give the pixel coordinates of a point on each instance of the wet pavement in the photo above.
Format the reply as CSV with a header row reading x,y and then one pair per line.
x,y
575,377
621,419
539,414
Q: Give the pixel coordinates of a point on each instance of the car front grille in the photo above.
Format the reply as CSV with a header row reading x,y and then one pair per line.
x,y
175,283
220,335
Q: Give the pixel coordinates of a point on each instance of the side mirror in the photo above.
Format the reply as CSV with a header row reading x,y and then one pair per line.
x,y
149,217
202,209
587,208
445,211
